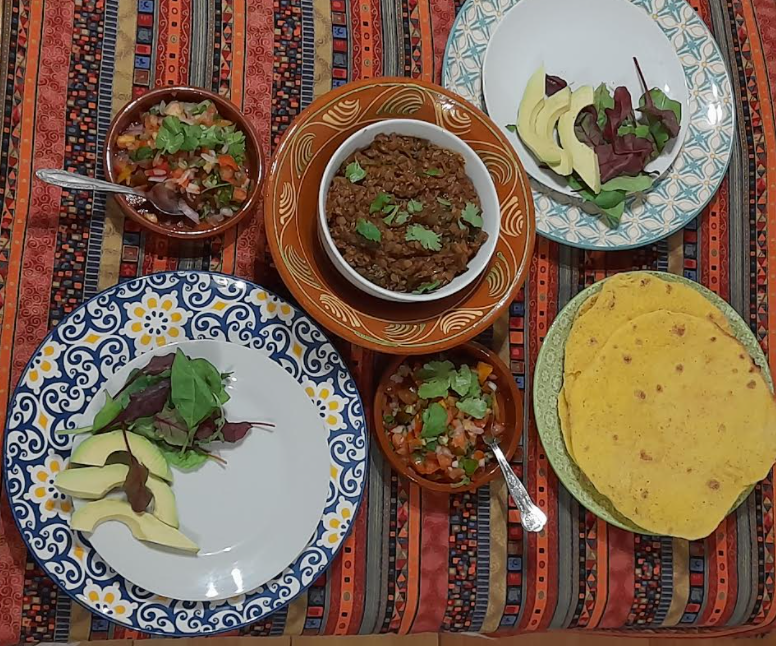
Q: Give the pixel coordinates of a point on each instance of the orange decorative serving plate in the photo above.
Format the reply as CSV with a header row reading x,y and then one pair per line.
x,y
290,207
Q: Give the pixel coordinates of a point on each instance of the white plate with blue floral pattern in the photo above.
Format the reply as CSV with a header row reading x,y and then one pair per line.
x,y
257,521
700,164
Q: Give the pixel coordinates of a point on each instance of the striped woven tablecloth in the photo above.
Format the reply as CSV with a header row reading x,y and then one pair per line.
x,y
415,561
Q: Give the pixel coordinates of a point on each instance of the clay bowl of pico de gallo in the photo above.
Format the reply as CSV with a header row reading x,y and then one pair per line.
x,y
199,147
432,414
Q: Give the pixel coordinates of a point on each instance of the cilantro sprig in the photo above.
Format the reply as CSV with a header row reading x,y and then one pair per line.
x,y
471,215
354,172
428,239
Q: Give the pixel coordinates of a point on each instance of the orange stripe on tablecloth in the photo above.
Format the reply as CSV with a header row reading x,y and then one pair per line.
x,y
339,622
173,41
711,249
621,579
426,40
602,570
434,566
413,559
256,100
367,32
24,173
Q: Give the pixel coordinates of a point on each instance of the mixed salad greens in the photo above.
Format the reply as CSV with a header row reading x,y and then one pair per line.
x,y
604,145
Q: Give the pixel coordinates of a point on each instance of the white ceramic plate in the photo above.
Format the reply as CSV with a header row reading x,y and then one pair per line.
x,y
585,43
700,165
274,517
237,514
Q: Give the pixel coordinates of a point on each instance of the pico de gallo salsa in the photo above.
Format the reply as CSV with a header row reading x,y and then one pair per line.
x,y
436,415
195,152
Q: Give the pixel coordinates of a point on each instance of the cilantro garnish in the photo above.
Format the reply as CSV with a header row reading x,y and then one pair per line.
x,y
354,172
469,465
170,137
474,406
462,380
391,211
432,172
414,206
426,287
471,214
402,217
426,237
380,202
434,421
368,231
142,153
466,480
511,127
444,202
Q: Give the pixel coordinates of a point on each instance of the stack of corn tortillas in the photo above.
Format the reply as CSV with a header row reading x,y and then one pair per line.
x,y
662,408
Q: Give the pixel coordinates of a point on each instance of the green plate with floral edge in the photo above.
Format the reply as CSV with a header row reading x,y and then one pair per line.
x,y
548,380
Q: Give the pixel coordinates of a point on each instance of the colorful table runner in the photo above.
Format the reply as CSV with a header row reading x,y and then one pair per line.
x,y
415,561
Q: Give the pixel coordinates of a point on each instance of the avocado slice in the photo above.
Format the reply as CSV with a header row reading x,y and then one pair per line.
x,y
552,110
144,527
530,107
97,449
583,158
93,483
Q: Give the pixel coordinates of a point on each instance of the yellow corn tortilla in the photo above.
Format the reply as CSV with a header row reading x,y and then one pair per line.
x,y
672,421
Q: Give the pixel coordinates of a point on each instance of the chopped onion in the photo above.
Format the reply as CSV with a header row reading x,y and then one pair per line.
x,y
227,213
190,213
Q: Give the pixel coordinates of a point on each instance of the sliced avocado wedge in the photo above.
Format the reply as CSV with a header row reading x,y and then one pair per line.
x,y
583,157
554,107
144,527
530,107
96,450
93,483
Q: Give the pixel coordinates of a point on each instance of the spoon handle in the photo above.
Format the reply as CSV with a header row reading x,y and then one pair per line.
x,y
66,179
531,517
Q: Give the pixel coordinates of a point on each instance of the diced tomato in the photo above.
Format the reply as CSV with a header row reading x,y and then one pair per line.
x,y
455,473
177,173
428,465
444,460
459,440
399,442
240,194
414,443
478,455
483,371
227,174
228,161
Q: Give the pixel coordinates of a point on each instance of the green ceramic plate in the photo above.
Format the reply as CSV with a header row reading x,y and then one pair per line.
x,y
548,380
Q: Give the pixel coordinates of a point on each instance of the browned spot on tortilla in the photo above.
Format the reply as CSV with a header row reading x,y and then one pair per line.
x,y
713,484
678,330
741,356
645,494
713,339
615,437
645,282
722,428
639,342
669,289
659,388
640,394
689,469
627,358
592,341
735,371
751,368
679,367
645,456
751,384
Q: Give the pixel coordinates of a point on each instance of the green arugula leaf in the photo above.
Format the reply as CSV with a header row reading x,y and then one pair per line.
x,y
602,99
435,369
613,215
462,380
469,465
191,395
145,426
110,410
660,135
212,378
368,230
433,388
426,237
471,214
426,287
171,428
354,172
380,202
434,421
474,406
444,202
402,217
185,460
414,206
640,130
628,184
432,172
511,127
663,102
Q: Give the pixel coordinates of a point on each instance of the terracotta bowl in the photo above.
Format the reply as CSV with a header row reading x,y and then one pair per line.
x,y
509,400
254,159
291,219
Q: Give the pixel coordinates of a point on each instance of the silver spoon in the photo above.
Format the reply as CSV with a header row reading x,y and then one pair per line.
x,y
532,518
162,198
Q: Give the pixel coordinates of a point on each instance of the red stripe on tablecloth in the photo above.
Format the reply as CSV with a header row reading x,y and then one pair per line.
x,y
621,579
376,43
434,558
257,106
441,23
713,247
28,282
172,66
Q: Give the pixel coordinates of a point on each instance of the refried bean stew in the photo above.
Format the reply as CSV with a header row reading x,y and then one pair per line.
x,y
404,214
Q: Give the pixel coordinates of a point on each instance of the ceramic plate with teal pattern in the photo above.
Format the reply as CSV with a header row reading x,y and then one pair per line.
x,y
548,381
674,47
267,522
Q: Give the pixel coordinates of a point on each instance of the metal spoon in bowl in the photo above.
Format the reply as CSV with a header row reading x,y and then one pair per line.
x,y
162,198
532,518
